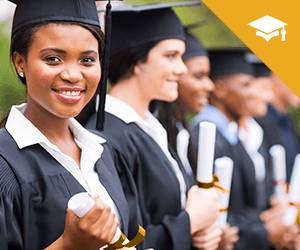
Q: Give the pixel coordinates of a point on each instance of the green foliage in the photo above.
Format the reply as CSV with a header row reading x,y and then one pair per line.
x,y
11,91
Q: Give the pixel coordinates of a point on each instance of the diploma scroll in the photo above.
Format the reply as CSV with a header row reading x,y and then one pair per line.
x,y
81,203
277,153
291,211
206,151
223,169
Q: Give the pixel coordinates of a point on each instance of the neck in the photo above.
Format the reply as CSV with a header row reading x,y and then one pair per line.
x,y
179,113
225,111
128,91
54,128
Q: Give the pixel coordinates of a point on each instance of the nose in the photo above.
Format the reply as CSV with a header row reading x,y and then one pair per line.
x,y
180,68
71,73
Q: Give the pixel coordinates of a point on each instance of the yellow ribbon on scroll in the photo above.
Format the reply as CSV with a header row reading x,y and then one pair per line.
x,y
224,209
119,244
298,216
282,183
208,185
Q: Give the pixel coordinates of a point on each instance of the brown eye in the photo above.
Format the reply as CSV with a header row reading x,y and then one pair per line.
x,y
53,59
88,60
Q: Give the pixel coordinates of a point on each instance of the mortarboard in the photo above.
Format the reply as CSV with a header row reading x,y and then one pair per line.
x,y
193,46
140,24
267,27
260,69
30,12
229,61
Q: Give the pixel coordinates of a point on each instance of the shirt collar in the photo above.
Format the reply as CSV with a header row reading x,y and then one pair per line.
x,y
26,134
226,128
123,111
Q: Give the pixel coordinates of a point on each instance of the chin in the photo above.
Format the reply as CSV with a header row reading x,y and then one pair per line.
x,y
170,98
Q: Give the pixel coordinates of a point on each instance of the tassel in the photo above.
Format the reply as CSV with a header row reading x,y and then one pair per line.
x,y
104,73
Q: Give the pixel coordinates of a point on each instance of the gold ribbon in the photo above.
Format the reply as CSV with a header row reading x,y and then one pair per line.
x,y
119,244
298,218
298,215
208,185
282,183
224,209
293,204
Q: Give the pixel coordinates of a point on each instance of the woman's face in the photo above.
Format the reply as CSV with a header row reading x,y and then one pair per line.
x,y
62,70
194,86
263,95
158,76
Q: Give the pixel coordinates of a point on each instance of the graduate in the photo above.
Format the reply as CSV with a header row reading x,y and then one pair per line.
x,y
145,65
231,100
279,124
194,88
46,156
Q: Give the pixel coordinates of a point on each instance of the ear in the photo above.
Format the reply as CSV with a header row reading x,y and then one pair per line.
x,y
137,69
19,62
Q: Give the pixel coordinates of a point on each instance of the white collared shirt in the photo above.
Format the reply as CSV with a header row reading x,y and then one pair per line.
x,y
252,140
182,141
152,127
26,134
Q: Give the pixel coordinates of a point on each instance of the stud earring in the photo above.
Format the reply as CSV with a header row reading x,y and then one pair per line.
x,y
22,74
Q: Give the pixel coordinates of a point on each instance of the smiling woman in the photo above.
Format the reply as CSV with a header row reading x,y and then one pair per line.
x,y
45,155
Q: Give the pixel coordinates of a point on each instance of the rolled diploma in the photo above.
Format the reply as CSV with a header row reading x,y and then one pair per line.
x,y
277,153
223,169
290,212
81,203
206,151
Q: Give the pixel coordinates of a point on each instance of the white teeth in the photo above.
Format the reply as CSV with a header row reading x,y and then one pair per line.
x,y
69,93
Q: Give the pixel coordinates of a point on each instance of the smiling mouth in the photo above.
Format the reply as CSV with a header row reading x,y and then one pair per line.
x,y
69,93
69,96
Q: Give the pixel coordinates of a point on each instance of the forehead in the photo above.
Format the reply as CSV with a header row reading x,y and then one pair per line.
x,y
170,45
70,35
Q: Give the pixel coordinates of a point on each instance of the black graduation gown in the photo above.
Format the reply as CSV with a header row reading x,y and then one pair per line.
x,y
34,192
273,135
243,207
150,185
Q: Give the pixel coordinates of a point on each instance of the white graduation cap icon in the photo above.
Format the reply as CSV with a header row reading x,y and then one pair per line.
x,y
268,24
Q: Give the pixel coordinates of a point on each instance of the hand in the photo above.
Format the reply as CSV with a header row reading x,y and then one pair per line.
x,y
281,236
275,211
203,210
207,239
291,238
230,236
93,231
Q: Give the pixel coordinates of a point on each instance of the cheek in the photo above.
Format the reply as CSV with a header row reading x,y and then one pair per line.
x,y
43,75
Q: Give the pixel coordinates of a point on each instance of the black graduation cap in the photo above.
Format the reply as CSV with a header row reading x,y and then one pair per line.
x,y
84,11
193,46
140,24
229,61
260,69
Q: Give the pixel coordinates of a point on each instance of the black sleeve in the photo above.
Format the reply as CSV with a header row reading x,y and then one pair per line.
x,y
10,209
252,233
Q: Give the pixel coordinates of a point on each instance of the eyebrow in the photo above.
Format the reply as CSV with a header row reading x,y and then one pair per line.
x,y
64,52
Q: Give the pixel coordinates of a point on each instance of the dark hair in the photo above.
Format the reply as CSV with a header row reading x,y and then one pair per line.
x,y
166,115
23,39
121,64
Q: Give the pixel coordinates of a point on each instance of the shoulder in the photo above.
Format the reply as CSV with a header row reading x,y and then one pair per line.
x,y
8,181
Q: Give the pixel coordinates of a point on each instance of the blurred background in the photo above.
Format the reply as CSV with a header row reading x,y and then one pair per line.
x,y
212,31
